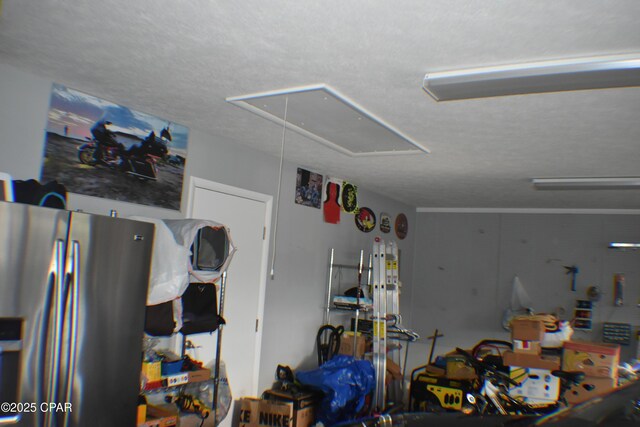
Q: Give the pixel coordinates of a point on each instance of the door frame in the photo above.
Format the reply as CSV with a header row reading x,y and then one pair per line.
x,y
196,182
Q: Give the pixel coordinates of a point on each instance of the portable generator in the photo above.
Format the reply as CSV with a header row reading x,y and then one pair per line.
x,y
431,391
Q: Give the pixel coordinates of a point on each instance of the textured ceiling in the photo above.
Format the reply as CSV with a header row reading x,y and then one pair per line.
x,y
181,59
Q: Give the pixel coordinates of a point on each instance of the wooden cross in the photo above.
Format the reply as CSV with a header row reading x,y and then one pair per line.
x,y
434,337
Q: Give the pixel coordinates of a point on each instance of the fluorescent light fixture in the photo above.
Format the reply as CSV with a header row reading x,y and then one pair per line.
x,y
623,245
597,72
620,183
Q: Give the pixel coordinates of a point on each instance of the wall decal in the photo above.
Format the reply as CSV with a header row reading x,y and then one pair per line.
x,y
385,222
331,206
365,220
402,226
349,198
98,148
308,188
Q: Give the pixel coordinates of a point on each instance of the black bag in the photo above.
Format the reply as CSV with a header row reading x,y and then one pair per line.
x,y
52,194
158,319
200,309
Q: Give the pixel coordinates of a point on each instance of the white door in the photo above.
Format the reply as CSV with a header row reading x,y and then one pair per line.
x,y
248,216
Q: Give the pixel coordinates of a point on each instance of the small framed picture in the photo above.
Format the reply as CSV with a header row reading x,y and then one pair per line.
x,y
308,188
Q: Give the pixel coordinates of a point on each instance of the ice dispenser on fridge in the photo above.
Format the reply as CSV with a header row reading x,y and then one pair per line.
x,y
10,348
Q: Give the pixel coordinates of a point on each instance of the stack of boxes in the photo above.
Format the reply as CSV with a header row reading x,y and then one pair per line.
x,y
532,369
527,335
529,367
599,362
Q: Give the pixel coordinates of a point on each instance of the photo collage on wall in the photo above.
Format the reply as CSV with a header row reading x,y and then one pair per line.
x,y
337,196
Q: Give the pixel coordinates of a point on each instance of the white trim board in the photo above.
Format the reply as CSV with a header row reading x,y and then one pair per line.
x,y
532,211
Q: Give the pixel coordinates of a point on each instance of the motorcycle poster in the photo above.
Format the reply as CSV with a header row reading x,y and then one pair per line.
x,y
98,148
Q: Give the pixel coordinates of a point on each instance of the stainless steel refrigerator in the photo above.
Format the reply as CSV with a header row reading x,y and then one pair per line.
x,y
73,289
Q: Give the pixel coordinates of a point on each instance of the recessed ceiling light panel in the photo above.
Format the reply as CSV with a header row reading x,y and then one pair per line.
x,y
326,116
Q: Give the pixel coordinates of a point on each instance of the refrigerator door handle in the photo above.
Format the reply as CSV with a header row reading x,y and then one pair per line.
x,y
58,320
73,272
43,358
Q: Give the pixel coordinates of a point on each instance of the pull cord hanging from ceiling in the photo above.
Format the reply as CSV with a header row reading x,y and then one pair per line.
x,y
275,226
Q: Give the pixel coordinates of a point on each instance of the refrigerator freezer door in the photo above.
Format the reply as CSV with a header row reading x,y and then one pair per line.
x,y
29,277
108,264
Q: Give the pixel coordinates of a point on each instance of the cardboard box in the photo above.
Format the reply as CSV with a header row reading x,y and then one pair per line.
x,y
537,386
152,371
346,345
527,330
199,375
589,388
270,413
526,360
458,368
142,414
161,416
595,360
300,400
434,370
531,347
393,371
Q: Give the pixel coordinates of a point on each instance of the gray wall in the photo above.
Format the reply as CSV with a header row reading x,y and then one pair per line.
x,y
294,299
465,264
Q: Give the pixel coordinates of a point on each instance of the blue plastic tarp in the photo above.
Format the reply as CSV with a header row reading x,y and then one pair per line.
x,y
345,383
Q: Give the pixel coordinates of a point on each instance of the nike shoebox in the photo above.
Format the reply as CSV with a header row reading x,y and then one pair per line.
x,y
273,413
595,360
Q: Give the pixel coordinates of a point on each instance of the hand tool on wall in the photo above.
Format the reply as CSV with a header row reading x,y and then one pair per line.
x,y
573,271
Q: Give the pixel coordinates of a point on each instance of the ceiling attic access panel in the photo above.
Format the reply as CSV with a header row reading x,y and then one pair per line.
x,y
325,116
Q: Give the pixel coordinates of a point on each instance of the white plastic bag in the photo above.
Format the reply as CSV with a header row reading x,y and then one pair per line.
x,y
204,392
169,266
519,303
224,394
520,299
185,232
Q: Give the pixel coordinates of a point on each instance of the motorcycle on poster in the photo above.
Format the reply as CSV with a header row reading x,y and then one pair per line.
x,y
138,160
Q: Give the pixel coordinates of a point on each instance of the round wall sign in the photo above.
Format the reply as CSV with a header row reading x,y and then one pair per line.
x,y
365,220
402,226
349,198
